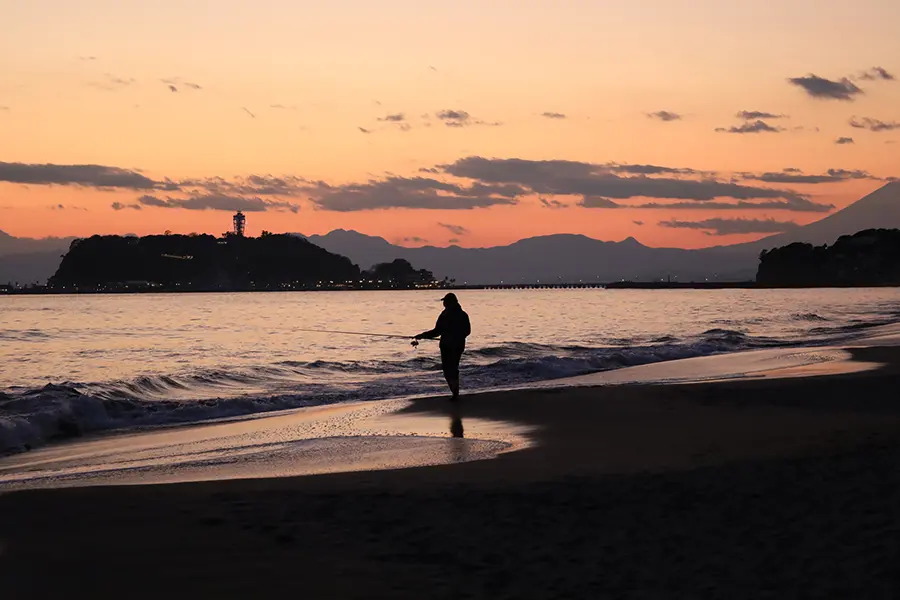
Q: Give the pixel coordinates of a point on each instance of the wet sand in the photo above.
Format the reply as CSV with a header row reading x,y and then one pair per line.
x,y
766,487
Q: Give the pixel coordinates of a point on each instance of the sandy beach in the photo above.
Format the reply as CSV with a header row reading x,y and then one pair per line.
x,y
773,486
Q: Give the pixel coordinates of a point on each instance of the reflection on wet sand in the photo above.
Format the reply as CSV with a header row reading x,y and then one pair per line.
x,y
456,426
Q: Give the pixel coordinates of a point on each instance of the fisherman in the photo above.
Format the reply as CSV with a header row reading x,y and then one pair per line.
x,y
453,328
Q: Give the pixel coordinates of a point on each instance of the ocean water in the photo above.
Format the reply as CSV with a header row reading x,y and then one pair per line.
x,y
71,365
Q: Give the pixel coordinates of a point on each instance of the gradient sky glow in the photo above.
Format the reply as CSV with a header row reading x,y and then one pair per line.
x,y
286,88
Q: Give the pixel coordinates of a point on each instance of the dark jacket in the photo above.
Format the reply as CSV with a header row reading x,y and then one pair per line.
x,y
452,326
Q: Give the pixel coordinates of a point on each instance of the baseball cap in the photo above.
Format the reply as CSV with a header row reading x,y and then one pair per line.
x,y
451,297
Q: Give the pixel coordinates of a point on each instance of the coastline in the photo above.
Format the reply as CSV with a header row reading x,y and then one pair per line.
x,y
714,489
615,285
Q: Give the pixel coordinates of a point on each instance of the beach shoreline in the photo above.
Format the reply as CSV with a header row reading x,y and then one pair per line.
x,y
385,434
713,489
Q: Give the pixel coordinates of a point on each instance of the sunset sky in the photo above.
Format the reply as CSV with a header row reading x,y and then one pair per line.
x,y
679,122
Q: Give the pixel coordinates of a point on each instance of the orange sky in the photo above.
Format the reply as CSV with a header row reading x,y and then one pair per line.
x,y
281,88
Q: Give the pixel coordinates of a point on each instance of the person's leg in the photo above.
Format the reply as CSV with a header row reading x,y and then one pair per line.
x,y
454,382
450,358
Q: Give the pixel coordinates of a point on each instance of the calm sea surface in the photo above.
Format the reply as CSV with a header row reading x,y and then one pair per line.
x,y
70,364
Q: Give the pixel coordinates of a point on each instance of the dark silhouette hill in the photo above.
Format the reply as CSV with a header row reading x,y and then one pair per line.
x,y
400,273
867,258
200,262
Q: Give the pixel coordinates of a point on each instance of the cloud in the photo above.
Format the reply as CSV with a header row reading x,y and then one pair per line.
x,y
282,107
148,200
733,226
219,202
553,115
651,170
247,110
460,118
120,206
398,119
452,115
83,175
87,58
113,83
751,127
664,115
844,140
793,176
753,115
453,241
454,118
588,180
364,130
819,87
5,108
552,203
793,205
256,185
874,124
176,83
412,193
876,73
415,240
597,202
638,223
458,230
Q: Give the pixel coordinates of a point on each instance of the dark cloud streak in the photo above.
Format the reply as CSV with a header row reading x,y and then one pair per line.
x,y
664,115
410,193
562,177
830,176
219,202
98,176
873,125
877,73
796,205
753,115
552,203
751,127
733,226
457,230
821,88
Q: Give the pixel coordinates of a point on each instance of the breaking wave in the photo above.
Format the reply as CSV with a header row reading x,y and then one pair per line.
x,y
30,417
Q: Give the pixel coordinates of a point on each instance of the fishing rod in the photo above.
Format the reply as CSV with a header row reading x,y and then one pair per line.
x,y
363,333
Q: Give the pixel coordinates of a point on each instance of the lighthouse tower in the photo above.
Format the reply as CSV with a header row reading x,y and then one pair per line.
x,y
240,221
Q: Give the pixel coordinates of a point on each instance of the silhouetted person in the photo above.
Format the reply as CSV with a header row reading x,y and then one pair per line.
x,y
453,328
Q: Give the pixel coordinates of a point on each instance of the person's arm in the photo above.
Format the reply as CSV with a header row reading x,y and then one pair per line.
x,y
467,327
433,333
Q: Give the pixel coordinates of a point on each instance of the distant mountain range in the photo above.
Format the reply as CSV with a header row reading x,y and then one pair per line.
x,y
563,257
570,258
